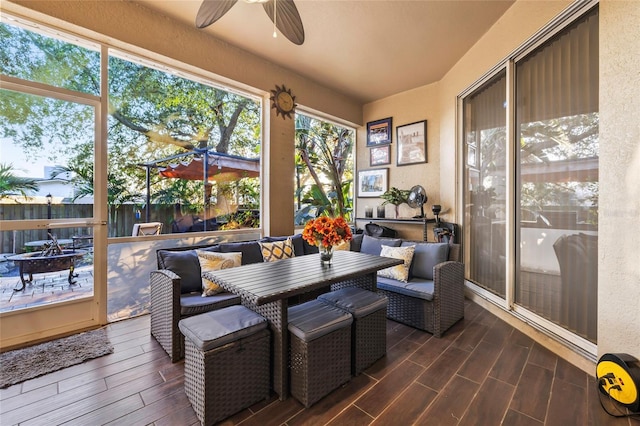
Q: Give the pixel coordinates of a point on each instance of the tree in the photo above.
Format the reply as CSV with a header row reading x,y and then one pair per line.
x,y
324,163
152,114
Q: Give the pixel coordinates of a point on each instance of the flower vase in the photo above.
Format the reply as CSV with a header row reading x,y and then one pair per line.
x,y
326,254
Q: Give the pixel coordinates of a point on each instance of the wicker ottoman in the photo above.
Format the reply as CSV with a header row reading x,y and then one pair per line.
x,y
226,366
320,350
369,329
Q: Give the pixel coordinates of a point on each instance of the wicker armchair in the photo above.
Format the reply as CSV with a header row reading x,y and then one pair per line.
x,y
174,298
434,303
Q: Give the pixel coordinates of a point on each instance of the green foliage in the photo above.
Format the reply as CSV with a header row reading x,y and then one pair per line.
x,y
241,219
395,196
152,114
10,184
324,165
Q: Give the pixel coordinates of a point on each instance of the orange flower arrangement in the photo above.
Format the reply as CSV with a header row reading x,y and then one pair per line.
x,y
327,232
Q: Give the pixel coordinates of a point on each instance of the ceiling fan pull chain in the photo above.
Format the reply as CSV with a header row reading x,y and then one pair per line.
x,y
275,17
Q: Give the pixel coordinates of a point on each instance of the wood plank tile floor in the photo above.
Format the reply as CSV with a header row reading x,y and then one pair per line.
x,y
482,372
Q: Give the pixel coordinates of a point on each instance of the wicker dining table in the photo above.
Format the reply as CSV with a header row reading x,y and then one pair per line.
x,y
268,288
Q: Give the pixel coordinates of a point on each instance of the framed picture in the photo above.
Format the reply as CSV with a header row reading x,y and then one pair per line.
x,y
379,132
412,143
380,155
373,182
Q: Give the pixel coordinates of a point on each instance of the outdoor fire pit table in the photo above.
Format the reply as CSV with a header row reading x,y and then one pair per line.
x,y
35,263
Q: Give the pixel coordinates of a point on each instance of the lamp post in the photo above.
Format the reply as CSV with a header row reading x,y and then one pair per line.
x,y
49,198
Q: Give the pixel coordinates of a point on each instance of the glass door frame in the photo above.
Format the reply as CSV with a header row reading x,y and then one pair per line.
x,y
508,304
43,322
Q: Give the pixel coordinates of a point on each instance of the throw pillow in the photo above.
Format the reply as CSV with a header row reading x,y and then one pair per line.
x,y
398,272
296,240
183,263
277,250
211,261
373,245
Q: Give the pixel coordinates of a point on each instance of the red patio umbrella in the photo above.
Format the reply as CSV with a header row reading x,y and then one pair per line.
x,y
202,164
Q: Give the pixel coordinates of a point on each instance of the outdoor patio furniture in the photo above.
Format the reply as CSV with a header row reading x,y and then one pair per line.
x,y
432,299
226,366
369,329
268,287
320,350
144,229
176,293
579,276
35,263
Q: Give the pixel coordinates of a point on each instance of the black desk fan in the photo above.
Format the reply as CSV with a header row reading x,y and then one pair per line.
x,y
417,197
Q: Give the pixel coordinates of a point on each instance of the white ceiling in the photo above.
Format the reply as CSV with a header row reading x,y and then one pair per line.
x,y
367,49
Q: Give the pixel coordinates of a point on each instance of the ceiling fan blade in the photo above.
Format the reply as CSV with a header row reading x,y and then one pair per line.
x,y
288,20
212,10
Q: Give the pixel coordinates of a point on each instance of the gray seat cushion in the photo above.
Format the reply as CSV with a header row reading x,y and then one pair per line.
x,y
417,287
425,257
311,320
373,245
357,301
194,303
217,328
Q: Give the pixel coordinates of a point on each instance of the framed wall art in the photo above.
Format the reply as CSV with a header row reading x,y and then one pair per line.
x,y
412,143
379,132
373,182
380,155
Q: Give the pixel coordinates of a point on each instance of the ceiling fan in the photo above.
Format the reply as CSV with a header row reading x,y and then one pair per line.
x,y
284,16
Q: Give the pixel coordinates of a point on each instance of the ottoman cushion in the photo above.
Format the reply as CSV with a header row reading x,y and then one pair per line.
x,y
217,328
357,301
311,320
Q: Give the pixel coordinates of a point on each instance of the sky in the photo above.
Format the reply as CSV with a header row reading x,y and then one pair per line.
x,y
23,166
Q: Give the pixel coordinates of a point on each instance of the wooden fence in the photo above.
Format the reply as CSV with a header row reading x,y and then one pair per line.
x,y
121,221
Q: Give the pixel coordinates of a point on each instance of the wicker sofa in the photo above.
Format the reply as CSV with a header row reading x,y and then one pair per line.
x,y
176,288
433,297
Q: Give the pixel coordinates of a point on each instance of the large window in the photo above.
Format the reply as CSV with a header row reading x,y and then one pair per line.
x,y
166,133
324,169
554,180
181,151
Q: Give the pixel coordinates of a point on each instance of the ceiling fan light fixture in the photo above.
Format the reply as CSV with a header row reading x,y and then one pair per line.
x,y
289,24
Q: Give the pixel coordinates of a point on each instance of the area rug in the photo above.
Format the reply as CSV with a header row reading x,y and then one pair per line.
x,y
23,364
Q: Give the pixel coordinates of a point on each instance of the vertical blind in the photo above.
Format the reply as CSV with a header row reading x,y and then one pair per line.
x,y
557,132
560,79
485,139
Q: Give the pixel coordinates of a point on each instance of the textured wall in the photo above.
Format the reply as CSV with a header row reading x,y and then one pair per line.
x,y
619,233
405,108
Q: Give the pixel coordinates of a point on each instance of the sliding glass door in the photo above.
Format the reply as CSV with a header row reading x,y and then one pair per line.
x,y
531,193
557,178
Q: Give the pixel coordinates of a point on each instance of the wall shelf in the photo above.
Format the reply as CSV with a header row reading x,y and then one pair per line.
x,y
404,220
452,227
